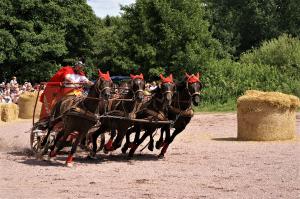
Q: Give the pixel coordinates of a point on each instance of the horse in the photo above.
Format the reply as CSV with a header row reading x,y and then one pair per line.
x,y
154,110
180,111
82,116
131,97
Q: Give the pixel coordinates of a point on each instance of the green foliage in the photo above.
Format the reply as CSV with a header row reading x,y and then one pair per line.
x,y
283,53
37,35
226,80
241,25
166,35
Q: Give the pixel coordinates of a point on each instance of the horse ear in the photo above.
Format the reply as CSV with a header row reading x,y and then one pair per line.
x,y
198,75
108,73
171,77
131,76
187,75
99,72
161,77
142,76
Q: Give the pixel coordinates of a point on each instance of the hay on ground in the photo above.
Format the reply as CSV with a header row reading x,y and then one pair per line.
x,y
26,104
9,112
266,116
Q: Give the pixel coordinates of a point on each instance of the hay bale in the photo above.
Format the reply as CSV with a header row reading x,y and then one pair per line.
x,y
9,112
26,104
1,104
266,116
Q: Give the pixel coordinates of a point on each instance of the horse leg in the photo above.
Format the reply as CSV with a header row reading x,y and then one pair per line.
x,y
169,141
95,135
158,144
140,141
59,144
129,144
69,161
109,145
151,143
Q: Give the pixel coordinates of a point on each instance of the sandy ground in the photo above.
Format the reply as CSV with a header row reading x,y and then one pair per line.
x,y
205,161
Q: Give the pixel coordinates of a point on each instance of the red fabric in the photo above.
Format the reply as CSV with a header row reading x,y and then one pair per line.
x,y
54,90
105,76
109,146
69,159
61,74
140,76
166,79
193,78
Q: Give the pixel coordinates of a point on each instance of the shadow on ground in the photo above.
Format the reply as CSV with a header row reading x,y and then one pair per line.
x,y
26,156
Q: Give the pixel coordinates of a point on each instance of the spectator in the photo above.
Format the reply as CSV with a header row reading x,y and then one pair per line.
x,y
13,81
153,86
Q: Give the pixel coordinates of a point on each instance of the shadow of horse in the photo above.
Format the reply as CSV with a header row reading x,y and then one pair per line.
x,y
27,157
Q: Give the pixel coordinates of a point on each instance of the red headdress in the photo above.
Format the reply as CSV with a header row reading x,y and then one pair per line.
x,y
192,78
105,76
166,79
140,76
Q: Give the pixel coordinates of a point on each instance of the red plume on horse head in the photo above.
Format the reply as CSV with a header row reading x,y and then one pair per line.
x,y
140,76
105,76
192,78
168,79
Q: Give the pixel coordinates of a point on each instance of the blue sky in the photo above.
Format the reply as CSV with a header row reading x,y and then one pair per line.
x,y
108,7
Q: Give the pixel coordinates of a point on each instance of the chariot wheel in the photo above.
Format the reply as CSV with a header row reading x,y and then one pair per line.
x,y
40,142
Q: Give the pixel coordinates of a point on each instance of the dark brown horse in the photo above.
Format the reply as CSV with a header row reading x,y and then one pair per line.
x,y
181,112
82,116
124,107
154,110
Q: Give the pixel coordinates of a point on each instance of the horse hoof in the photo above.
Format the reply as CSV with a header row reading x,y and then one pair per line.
x,y
39,156
51,159
161,156
69,164
105,151
124,150
151,147
91,157
158,145
129,157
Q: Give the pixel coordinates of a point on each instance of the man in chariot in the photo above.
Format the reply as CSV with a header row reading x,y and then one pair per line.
x,y
68,81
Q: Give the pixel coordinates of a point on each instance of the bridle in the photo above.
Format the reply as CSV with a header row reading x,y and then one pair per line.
x,y
188,90
98,90
137,91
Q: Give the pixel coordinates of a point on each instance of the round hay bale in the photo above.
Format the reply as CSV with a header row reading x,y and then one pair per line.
x,y
9,112
26,104
1,104
266,116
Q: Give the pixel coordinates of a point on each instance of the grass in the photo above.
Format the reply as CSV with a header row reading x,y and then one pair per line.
x,y
229,106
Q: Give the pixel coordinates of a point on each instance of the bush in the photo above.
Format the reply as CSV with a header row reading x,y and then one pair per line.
x,y
283,53
226,80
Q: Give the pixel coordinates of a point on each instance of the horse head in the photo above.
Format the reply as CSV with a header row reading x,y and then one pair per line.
x,y
138,86
194,86
167,88
103,85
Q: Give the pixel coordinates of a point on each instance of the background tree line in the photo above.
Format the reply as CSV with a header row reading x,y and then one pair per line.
x,y
236,45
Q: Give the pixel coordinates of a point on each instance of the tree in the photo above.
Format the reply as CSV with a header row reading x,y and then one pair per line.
x,y
38,35
241,25
166,36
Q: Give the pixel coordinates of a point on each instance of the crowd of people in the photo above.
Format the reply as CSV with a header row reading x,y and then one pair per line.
x,y
10,91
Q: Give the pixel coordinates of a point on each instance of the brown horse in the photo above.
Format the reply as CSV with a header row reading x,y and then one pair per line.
x,y
125,108
82,116
181,112
154,110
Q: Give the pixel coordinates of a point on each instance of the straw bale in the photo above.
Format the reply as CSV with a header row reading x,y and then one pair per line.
x,y
1,104
26,104
9,112
266,116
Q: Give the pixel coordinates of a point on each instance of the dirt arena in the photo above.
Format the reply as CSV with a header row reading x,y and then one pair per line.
x,y
205,161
